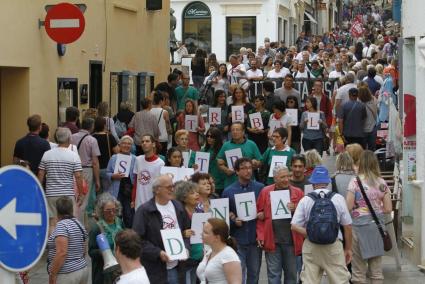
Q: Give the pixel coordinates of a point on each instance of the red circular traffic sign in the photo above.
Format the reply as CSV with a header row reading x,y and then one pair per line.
x,y
64,23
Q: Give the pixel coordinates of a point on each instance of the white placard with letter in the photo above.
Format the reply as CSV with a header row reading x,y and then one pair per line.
x,y
177,174
256,120
174,244
279,200
274,124
293,114
191,122
202,159
238,114
232,156
277,161
313,120
214,115
123,164
220,209
198,221
186,157
246,206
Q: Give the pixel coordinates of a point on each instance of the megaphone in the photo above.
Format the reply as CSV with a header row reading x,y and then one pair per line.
x,y
110,263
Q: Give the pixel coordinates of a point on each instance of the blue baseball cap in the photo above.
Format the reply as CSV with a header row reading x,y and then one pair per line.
x,y
320,175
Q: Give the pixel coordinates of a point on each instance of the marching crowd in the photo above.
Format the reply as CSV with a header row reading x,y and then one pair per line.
x,y
264,143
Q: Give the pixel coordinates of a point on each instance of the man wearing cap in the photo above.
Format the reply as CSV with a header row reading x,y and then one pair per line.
x,y
331,258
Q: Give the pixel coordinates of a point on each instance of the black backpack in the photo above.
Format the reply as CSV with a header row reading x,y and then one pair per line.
x,y
322,225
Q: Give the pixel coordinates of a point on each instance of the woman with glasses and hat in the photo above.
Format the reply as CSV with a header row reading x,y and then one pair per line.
x,y
108,210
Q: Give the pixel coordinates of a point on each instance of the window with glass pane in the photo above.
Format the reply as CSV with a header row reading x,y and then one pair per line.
x,y
197,34
241,32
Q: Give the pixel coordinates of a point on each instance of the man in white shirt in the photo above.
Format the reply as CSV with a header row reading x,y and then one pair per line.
x,y
254,73
367,50
331,258
278,71
302,72
342,92
235,69
128,246
337,73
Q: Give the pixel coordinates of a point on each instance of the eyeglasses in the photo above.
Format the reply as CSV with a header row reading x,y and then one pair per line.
x,y
111,210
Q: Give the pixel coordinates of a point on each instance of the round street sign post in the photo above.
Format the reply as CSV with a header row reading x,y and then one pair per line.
x,y
64,23
24,221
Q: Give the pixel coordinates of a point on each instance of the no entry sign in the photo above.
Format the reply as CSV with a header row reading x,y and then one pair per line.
x,y
64,23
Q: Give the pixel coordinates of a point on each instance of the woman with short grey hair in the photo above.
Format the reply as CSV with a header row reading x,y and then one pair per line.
x,y
187,193
108,210
344,173
122,181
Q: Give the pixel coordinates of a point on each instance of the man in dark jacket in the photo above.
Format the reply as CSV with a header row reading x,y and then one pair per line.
x,y
159,213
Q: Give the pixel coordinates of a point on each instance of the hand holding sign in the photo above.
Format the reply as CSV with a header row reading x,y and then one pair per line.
x,y
280,200
202,159
238,114
277,161
293,114
220,209
198,220
122,165
214,116
256,120
313,120
191,123
173,244
232,156
246,206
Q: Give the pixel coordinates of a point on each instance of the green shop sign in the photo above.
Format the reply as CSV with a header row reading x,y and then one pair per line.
x,y
197,10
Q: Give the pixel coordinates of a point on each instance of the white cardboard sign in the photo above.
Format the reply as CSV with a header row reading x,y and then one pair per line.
x,y
198,221
232,156
214,116
313,120
202,159
186,157
256,120
308,188
177,174
246,206
122,165
238,114
220,209
174,244
277,161
293,114
191,122
279,200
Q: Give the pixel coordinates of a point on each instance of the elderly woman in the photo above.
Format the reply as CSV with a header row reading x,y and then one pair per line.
x,y
66,261
187,193
121,184
107,209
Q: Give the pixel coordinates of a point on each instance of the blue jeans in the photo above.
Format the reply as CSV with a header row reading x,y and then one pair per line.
x,y
250,256
173,276
282,258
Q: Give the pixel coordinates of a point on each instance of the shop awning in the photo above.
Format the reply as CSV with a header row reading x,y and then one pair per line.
x,y
310,18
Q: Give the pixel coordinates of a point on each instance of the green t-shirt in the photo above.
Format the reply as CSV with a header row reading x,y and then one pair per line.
x,y
184,94
268,155
249,150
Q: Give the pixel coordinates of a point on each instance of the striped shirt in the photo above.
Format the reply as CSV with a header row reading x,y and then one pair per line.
x,y
73,231
60,164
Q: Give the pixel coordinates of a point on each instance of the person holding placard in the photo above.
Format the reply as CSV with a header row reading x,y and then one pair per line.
x,y
274,236
221,264
239,98
174,158
146,168
280,119
161,212
243,219
186,92
220,102
213,146
331,258
313,126
247,148
187,194
204,190
120,171
288,89
280,148
194,127
258,126
292,103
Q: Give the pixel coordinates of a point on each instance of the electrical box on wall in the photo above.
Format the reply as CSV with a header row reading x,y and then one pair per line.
x,y
153,5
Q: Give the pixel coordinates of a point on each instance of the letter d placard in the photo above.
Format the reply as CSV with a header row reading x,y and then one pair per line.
x,y
174,244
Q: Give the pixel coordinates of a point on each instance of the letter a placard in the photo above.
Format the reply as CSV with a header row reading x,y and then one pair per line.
x,y
122,165
174,244
246,206
279,200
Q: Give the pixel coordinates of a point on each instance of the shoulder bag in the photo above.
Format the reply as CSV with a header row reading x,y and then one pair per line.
x,y
385,237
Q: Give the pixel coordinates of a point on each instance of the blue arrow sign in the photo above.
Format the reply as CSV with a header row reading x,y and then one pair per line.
x,y
24,220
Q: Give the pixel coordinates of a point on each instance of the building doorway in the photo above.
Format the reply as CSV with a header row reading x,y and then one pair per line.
x,y
197,27
95,83
67,90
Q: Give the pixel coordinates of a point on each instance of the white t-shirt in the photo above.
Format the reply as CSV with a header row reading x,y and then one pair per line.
x,y
254,74
342,92
212,270
169,221
274,123
303,75
146,172
272,74
137,276
336,75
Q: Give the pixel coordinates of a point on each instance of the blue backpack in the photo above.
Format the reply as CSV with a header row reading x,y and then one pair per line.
x,y
322,226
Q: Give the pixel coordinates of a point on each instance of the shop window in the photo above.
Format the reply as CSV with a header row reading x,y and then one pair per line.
x,y
240,32
197,27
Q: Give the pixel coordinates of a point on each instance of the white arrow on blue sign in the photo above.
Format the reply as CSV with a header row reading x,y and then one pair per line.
x,y
24,220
